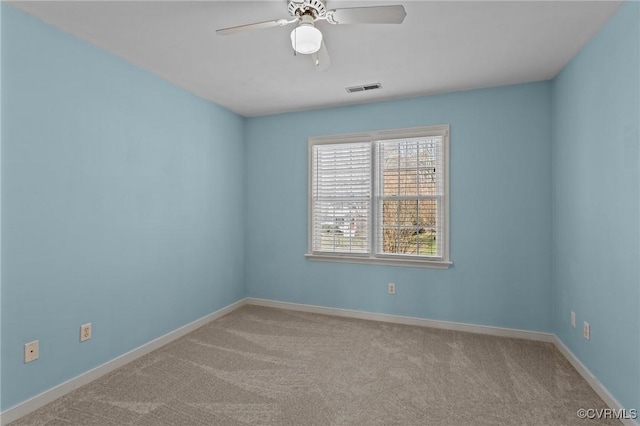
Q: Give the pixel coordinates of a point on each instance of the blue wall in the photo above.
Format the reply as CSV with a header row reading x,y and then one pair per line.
x,y
596,198
120,201
131,204
500,211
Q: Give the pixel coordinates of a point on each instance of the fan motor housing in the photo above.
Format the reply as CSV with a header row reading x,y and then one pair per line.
x,y
316,7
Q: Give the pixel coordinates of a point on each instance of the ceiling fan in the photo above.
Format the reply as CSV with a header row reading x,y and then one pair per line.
x,y
307,39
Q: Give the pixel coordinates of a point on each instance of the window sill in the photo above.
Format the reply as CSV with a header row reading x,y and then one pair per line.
x,y
415,263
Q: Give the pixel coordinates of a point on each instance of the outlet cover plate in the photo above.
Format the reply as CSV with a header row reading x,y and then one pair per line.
x,y
31,351
85,332
587,331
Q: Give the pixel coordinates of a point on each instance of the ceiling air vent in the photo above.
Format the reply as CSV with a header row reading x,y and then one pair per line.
x,y
366,87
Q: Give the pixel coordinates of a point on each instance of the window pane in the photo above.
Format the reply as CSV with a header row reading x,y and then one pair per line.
x,y
409,227
426,239
390,182
427,181
410,183
341,197
341,226
411,167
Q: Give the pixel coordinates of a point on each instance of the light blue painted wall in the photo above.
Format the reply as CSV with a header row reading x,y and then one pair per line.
x,y
596,197
500,211
120,201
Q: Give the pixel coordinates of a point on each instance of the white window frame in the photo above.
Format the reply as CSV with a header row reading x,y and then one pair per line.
x,y
372,137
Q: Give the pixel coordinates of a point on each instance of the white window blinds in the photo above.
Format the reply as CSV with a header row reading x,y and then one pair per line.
x,y
380,197
341,198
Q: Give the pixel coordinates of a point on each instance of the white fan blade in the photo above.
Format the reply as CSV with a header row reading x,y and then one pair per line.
x,y
367,15
256,26
321,58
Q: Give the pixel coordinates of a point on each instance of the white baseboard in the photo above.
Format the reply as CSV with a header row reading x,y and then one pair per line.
x,y
595,384
456,326
397,319
62,389
56,392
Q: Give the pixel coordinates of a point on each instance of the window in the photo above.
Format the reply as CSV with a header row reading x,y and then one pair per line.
x,y
380,197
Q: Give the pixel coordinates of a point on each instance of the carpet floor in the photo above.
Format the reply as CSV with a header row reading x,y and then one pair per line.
x,y
264,366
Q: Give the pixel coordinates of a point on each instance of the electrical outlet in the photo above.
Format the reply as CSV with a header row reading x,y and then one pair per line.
x,y
85,332
573,319
392,288
31,351
587,331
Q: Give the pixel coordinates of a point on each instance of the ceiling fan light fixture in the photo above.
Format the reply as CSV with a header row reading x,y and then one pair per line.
x,y
306,39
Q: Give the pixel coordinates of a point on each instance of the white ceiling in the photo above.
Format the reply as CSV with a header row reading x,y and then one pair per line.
x,y
441,46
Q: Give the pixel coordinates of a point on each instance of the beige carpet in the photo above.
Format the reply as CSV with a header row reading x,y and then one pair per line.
x,y
262,366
